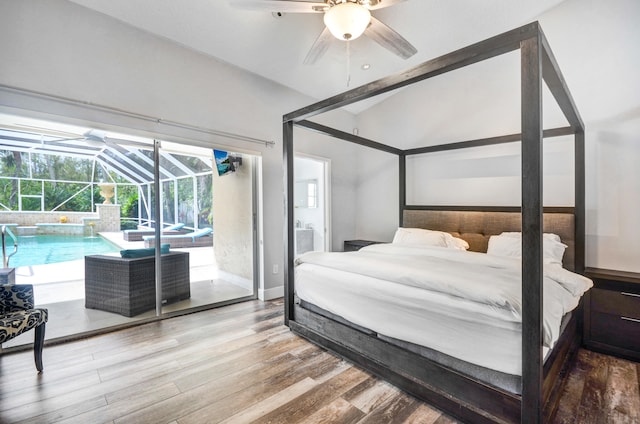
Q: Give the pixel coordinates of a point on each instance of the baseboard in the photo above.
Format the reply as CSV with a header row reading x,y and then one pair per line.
x,y
272,293
236,279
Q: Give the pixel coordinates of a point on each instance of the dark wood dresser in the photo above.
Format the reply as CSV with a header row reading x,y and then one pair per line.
x,y
353,245
612,313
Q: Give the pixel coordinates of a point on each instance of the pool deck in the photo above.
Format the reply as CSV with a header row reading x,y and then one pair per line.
x,y
198,256
74,270
69,273
65,280
117,238
60,288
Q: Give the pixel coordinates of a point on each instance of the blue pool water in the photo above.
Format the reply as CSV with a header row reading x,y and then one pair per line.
x,y
44,249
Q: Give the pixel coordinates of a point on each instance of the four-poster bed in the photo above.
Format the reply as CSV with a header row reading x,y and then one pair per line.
x,y
461,393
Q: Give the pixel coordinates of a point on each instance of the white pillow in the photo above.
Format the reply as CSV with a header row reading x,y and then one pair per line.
x,y
505,246
455,242
553,251
422,237
419,237
510,245
546,236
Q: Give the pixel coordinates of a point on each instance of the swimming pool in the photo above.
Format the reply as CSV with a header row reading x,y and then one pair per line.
x,y
49,249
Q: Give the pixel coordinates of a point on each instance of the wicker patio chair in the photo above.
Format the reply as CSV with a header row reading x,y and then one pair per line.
x,y
18,315
126,286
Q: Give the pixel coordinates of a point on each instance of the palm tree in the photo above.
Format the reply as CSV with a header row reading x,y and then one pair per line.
x,y
12,164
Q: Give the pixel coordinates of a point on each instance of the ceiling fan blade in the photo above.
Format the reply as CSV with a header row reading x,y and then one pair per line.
x,y
389,39
380,4
286,6
319,47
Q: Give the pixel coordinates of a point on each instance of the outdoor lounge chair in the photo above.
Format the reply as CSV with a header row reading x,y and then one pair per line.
x,y
136,235
197,238
18,315
127,285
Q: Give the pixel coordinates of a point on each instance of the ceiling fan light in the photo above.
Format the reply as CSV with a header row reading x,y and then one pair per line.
x,y
347,21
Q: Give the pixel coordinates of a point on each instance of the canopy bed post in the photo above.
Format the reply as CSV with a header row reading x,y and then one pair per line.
x,y
402,168
531,145
580,204
558,87
289,232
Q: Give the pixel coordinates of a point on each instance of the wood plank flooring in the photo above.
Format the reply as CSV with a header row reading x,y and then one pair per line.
x,y
239,364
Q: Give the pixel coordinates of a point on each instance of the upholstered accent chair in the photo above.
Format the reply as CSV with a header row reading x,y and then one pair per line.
x,y
18,315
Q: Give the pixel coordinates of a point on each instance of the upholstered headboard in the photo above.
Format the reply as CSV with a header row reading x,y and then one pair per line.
x,y
477,227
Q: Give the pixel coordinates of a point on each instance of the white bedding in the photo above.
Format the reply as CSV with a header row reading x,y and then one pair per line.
x,y
464,304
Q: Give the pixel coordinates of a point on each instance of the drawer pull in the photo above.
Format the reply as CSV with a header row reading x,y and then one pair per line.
x,y
630,319
630,294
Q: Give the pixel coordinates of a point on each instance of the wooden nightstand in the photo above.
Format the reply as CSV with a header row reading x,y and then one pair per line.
x,y
612,313
353,245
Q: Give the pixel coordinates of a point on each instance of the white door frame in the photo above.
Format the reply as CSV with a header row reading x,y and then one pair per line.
x,y
326,169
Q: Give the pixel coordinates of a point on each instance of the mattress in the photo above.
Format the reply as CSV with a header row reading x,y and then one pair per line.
x,y
377,288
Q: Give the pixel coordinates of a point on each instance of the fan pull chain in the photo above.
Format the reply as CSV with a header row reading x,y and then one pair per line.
x,y
348,62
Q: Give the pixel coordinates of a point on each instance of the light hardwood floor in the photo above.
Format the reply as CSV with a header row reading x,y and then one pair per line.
x,y
239,364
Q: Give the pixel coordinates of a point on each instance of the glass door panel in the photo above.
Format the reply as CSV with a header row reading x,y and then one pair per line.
x,y
217,237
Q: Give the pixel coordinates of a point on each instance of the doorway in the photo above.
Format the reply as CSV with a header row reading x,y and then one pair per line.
x,y
312,204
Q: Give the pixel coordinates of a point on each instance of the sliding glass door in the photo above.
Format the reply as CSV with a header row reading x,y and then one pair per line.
x,y
66,184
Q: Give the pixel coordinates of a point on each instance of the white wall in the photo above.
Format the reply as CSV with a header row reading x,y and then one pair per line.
x,y
595,44
344,179
377,189
232,209
62,49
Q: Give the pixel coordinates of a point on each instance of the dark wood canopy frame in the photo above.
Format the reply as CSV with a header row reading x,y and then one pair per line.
x,y
424,380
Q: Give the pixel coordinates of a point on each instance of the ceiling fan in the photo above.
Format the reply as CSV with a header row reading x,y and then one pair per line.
x,y
343,19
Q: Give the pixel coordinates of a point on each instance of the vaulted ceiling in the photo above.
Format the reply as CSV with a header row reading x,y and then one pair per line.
x,y
275,46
